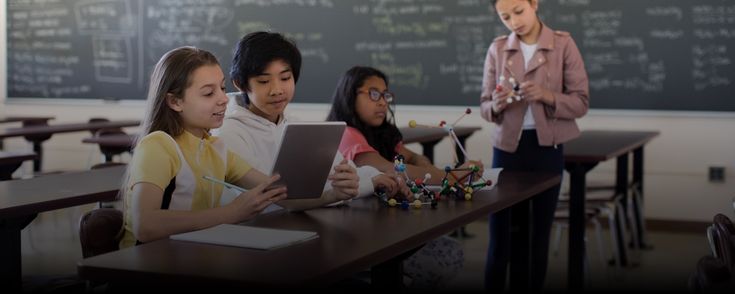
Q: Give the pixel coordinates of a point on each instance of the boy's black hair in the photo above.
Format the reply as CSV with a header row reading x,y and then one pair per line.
x,y
255,51
383,138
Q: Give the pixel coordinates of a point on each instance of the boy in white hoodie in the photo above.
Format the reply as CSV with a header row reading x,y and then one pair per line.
x,y
265,69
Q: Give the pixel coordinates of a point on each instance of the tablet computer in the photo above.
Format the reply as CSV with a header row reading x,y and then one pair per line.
x,y
305,155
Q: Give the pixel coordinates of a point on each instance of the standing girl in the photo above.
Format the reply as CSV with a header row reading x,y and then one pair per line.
x,y
164,191
534,87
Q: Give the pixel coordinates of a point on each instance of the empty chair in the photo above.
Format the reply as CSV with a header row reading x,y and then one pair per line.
x,y
108,151
561,222
96,120
100,231
609,204
716,272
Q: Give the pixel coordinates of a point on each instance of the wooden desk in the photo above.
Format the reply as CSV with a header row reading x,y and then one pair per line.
x,y
580,156
37,134
11,160
22,200
351,238
429,137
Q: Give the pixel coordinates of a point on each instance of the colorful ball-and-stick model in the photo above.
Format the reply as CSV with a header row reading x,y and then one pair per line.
x,y
462,186
514,94
420,194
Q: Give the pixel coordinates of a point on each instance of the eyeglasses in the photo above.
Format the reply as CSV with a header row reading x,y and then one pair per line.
x,y
375,95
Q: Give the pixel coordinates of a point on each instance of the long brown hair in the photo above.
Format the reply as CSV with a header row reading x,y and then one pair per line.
x,y
171,75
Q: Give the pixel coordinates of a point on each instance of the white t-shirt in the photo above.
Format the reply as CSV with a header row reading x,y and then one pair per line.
x,y
528,50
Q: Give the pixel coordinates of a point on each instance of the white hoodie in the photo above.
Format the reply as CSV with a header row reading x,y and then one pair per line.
x,y
254,138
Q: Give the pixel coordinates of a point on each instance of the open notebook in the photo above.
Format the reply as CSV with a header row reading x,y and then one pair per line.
x,y
246,236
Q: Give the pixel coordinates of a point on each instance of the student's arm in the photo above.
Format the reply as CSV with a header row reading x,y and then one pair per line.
x,y
414,171
344,181
150,222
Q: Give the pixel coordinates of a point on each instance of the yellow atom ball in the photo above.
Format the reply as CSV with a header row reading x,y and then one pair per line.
x,y
417,203
392,202
412,123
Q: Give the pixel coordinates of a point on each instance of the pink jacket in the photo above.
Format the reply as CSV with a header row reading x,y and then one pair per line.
x,y
557,65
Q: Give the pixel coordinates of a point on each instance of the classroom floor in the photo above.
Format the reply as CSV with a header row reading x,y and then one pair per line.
x,y
51,248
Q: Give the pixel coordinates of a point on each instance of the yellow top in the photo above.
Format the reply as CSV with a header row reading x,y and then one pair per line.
x,y
157,160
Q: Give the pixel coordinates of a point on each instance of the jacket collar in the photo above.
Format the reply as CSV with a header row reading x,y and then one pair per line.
x,y
545,40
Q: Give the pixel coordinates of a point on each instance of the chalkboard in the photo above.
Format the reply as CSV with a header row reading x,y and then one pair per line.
x,y
640,54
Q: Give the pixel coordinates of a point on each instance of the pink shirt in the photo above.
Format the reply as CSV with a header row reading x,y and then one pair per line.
x,y
354,143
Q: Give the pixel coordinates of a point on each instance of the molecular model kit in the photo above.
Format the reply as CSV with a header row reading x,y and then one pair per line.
x,y
453,185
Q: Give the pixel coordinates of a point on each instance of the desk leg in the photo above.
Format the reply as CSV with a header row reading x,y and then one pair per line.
x,y
11,272
577,187
389,274
38,148
621,190
520,252
640,221
429,149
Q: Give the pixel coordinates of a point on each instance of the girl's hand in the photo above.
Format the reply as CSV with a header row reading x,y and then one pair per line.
x,y
500,97
477,165
391,183
533,92
345,181
249,204
385,183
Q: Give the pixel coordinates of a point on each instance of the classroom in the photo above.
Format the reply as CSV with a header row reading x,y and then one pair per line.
x,y
661,108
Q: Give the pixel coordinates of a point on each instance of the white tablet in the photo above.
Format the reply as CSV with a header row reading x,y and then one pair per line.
x,y
305,155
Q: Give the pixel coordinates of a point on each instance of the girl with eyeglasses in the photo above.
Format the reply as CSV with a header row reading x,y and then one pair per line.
x,y
362,100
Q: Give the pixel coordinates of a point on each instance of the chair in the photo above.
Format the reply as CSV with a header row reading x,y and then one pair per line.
x,y
561,222
100,231
110,151
107,152
608,204
716,272
724,237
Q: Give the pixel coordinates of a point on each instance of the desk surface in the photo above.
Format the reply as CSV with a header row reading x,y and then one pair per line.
x,y
12,157
9,119
27,197
601,145
423,134
351,238
65,128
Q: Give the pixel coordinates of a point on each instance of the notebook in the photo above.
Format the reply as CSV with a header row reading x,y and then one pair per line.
x,y
247,236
